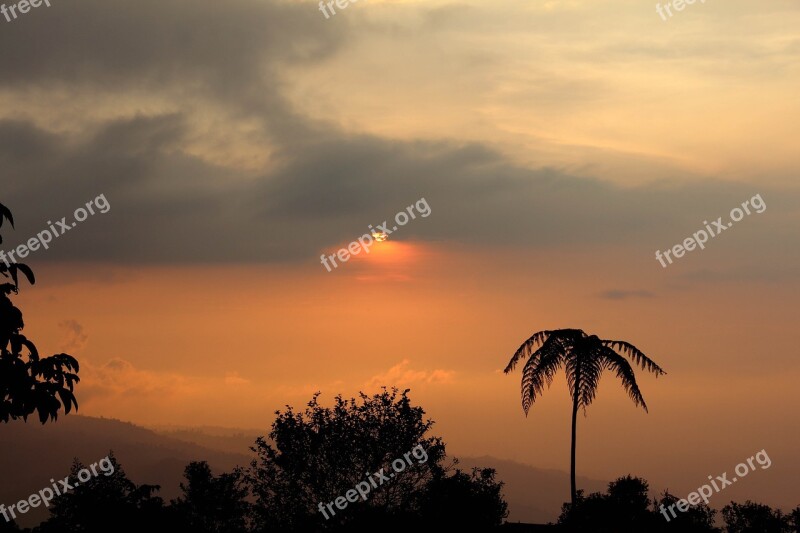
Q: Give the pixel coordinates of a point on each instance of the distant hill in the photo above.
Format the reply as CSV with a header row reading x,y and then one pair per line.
x,y
233,440
32,454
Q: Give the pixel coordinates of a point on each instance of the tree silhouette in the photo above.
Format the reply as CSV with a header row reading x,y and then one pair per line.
x,y
696,519
750,517
211,504
316,456
6,527
28,383
104,503
625,508
584,358
793,519
478,491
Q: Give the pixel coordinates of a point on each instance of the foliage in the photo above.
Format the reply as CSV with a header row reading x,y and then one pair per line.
x,y
318,455
625,508
750,517
478,492
696,519
104,503
584,358
29,383
212,504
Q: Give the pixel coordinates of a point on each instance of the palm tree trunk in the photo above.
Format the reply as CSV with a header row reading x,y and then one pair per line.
x,y
572,468
577,384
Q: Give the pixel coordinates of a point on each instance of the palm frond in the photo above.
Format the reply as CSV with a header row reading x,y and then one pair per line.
x,y
584,358
591,369
527,348
635,355
613,361
583,369
539,371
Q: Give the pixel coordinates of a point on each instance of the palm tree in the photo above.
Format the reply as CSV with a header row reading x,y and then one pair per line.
x,y
584,358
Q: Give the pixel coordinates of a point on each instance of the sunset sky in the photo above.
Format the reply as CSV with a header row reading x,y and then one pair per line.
x,y
559,144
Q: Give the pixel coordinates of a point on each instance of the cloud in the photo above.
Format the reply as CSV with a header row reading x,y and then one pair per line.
x,y
121,389
172,121
119,378
234,379
621,294
74,339
171,207
156,43
402,375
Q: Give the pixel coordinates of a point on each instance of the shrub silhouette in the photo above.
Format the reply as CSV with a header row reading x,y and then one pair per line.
x,y
211,504
104,503
29,384
318,455
8,526
696,519
625,508
750,517
478,491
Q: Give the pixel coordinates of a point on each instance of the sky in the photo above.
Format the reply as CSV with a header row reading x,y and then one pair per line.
x,y
558,146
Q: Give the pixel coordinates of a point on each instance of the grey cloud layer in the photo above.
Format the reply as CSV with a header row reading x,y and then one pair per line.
x,y
327,185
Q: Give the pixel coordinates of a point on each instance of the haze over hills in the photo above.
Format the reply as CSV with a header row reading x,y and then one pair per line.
x,y
233,440
33,454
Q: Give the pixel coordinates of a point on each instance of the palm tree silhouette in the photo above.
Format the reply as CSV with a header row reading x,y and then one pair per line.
x,y
584,358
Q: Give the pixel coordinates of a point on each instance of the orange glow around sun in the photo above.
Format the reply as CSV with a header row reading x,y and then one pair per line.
x,y
384,260
385,252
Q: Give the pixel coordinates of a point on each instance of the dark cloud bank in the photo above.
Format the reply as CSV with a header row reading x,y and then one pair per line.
x,y
326,185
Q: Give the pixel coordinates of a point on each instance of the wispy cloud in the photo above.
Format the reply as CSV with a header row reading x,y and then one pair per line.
x,y
74,339
402,375
622,294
